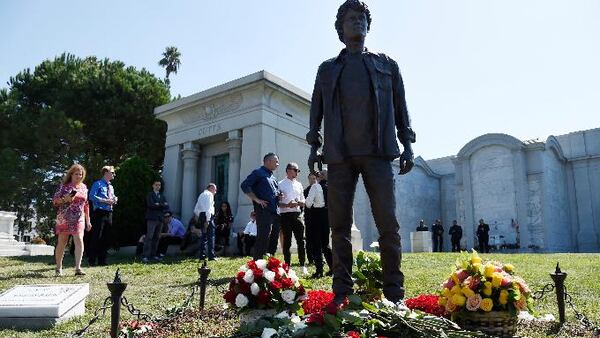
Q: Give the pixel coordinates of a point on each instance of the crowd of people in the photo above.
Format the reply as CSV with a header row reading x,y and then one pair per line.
x,y
456,233
281,210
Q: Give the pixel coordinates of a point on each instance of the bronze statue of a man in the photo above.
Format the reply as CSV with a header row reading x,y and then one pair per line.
x,y
360,96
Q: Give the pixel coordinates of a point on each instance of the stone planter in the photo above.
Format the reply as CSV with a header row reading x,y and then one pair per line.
x,y
495,323
256,314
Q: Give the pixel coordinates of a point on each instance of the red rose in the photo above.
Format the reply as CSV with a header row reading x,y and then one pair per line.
x,y
258,273
332,308
230,296
245,289
240,275
301,290
232,284
353,334
263,297
287,283
275,285
273,263
316,318
252,265
286,267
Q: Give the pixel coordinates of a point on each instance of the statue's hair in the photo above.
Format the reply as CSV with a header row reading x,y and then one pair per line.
x,y
355,5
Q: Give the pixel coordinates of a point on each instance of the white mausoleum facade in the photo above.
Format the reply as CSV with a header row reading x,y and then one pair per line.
x,y
550,189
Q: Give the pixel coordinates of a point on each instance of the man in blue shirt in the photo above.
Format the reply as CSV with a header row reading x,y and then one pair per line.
x,y
102,196
262,189
173,232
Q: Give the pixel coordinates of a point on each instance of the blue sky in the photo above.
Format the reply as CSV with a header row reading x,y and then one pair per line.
x,y
525,68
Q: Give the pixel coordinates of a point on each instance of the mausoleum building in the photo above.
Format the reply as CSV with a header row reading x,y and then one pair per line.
x,y
535,195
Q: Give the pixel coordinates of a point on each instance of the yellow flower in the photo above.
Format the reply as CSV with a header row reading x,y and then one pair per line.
x,y
442,301
477,266
467,291
509,268
496,279
446,292
459,300
487,289
503,298
489,270
455,290
487,304
455,278
475,259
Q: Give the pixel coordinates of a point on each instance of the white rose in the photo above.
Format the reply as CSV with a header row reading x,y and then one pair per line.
x,y
282,315
299,326
268,333
241,300
292,275
243,268
281,272
288,296
269,275
254,289
295,319
261,264
249,276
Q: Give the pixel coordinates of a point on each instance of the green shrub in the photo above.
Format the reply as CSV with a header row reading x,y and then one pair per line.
x,y
132,183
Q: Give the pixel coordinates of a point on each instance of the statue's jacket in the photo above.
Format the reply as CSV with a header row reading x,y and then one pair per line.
x,y
391,118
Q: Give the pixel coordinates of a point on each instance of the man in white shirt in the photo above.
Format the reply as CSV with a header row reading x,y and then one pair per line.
x,y
318,230
204,212
290,215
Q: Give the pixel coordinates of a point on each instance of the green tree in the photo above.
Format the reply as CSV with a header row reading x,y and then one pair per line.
x,y
132,183
170,61
86,110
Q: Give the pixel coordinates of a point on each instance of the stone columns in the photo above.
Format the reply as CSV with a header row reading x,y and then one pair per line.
x,y
234,145
189,154
587,238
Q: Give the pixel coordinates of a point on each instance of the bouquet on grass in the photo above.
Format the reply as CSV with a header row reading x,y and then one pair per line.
x,y
265,284
484,286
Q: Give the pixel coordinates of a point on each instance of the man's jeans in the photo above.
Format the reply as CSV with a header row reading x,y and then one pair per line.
x,y
379,182
207,242
264,224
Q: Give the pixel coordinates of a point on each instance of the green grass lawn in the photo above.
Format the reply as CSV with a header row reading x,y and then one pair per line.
x,y
155,287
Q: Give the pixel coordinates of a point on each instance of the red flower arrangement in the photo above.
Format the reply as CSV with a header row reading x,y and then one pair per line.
x,y
428,304
264,284
316,301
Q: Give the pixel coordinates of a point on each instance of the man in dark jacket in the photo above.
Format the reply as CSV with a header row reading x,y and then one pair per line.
x,y
455,236
360,97
156,205
483,235
438,236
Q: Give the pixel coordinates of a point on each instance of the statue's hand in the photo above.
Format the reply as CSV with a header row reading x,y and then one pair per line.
x,y
407,161
314,158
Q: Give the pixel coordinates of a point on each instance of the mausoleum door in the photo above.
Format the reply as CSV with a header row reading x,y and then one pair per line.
x,y
221,178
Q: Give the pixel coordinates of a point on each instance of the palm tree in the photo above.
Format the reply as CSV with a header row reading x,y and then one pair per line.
x,y
170,61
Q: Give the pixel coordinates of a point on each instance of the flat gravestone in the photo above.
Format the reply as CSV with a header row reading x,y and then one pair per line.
x,y
41,306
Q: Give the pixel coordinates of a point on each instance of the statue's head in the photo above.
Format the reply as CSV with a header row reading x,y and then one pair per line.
x,y
353,19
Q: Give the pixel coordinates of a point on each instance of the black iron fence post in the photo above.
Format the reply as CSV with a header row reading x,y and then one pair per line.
x,y
116,289
203,271
559,285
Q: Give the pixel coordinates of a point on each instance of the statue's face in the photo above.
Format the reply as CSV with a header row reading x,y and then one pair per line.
x,y
354,25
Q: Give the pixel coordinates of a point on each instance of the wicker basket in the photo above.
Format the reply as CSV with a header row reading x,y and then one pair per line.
x,y
495,323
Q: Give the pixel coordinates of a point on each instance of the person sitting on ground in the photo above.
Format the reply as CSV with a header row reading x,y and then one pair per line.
x,y
172,233
247,237
223,223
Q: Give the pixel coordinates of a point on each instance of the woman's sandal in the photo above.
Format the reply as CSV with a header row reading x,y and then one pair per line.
x,y
79,272
57,272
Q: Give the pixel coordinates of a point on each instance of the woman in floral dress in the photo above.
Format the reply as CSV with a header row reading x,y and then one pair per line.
x,y
72,217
